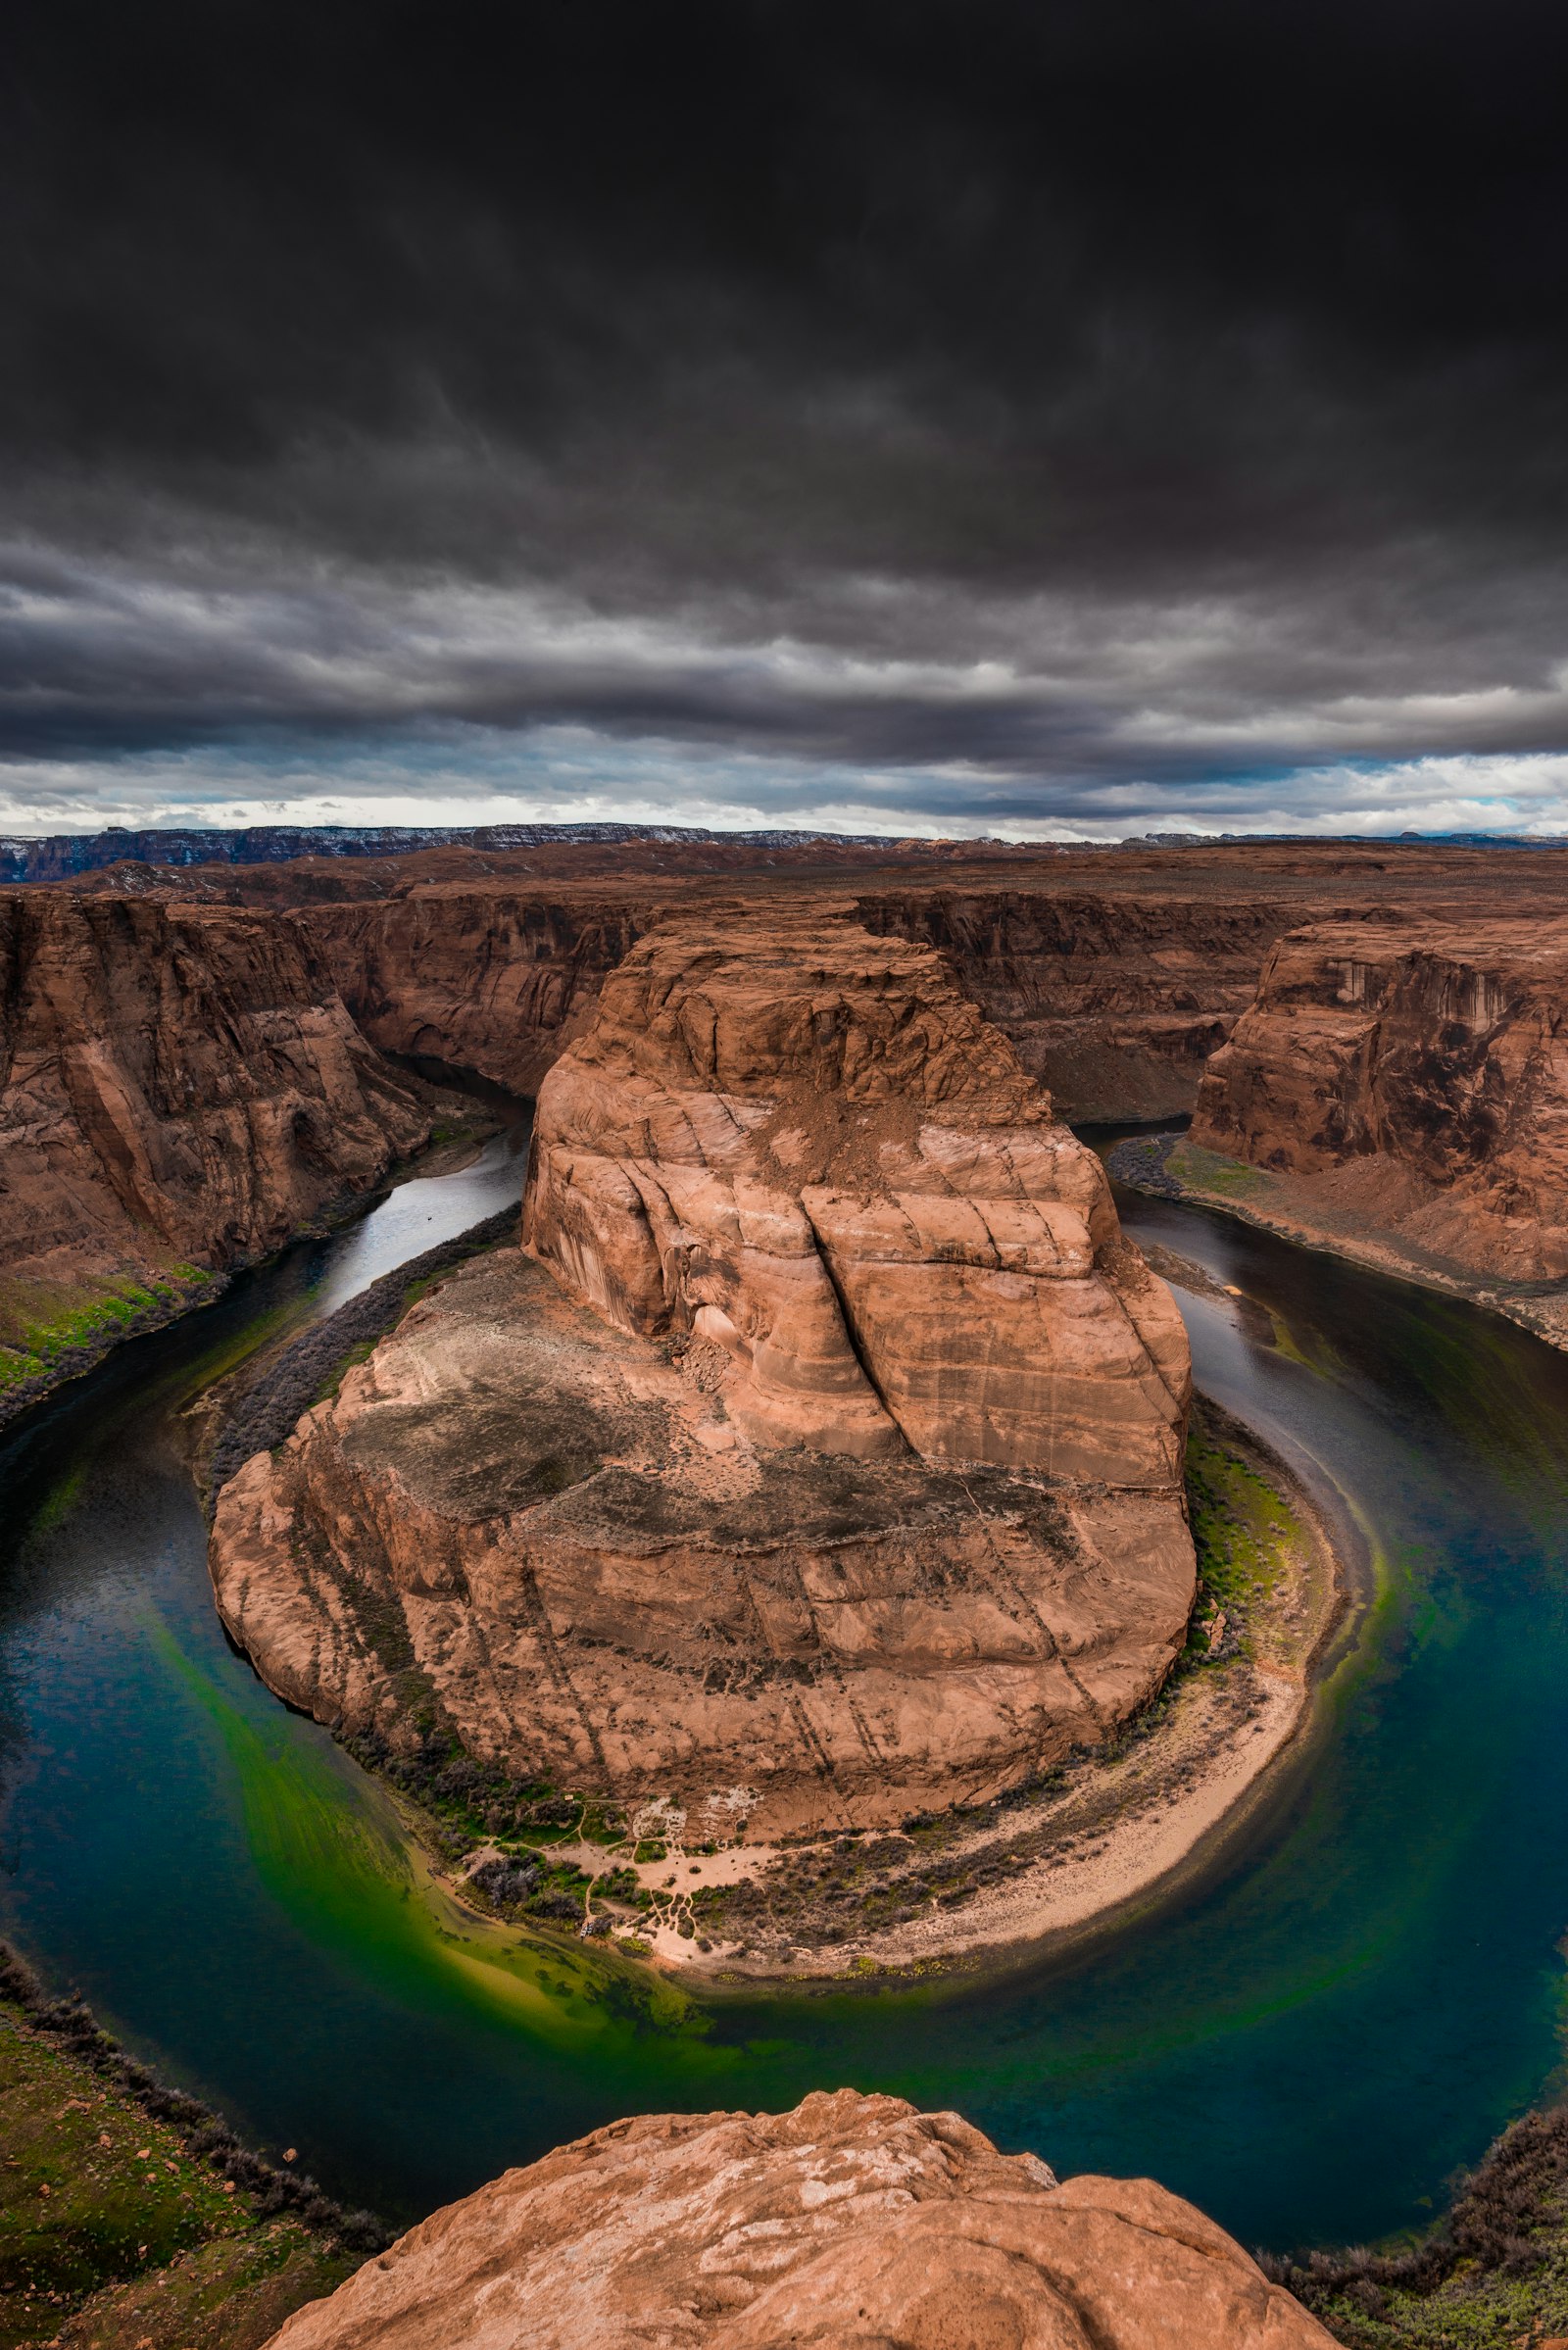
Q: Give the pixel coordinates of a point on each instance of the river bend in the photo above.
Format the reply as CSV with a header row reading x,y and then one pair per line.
x,y
1308,2040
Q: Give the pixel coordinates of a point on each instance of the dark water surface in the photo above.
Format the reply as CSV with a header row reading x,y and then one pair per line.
x,y
1308,2043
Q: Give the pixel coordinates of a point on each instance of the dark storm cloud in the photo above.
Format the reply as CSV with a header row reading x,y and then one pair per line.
x,y
1060,399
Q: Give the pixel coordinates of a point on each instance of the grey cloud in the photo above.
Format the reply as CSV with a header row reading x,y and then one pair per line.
x,y
1046,412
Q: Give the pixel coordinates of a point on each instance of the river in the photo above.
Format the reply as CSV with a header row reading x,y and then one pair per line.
x,y
1308,2040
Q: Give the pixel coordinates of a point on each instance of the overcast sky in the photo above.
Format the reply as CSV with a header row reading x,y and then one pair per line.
x,y
1050,420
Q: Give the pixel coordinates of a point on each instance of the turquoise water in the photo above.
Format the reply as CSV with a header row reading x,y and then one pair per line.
x,y
1308,2040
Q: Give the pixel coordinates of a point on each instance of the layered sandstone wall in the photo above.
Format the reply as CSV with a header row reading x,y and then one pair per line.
x,y
1414,1072
1114,971
803,1146
852,2223
179,1086
483,978
1113,999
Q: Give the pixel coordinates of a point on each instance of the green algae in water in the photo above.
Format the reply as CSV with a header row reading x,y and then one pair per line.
x,y
327,1844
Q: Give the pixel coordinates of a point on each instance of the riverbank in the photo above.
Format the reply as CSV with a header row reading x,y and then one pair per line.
x,y
1090,1839
1495,2271
204,1865
1105,1832
1328,1214
130,2218
38,1357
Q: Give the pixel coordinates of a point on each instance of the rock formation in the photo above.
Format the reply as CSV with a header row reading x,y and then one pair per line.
x,y
802,1146
852,2223
843,1475
1113,999
516,1524
180,1087
484,978
1115,972
1411,1075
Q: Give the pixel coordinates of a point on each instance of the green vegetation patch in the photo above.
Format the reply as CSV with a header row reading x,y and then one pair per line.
x,y
1494,2272
115,2229
1211,1171
1241,1529
327,1391
42,1324
466,1802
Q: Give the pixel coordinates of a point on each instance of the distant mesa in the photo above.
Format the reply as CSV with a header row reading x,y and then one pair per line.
x,y
55,856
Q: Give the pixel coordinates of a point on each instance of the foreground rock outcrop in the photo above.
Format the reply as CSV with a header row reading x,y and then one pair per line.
x,y
1410,1077
852,2220
835,1465
181,1089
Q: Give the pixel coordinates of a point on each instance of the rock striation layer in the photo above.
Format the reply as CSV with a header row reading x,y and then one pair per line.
x,y
1116,972
1111,999
852,2223
484,978
834,1467
804,1148
180,1088
1411,1075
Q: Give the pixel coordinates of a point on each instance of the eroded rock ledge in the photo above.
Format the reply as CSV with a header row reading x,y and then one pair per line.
x,y
181,1091
833,1466
852,2220
1399,1094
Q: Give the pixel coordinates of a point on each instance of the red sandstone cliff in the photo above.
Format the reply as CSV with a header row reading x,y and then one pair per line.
x,y
1116,972
484,978
1114,1001
850,2223
841,1474
806,1149
180,1086
1411,1074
